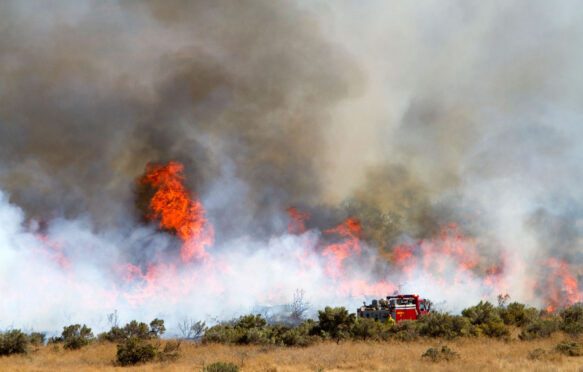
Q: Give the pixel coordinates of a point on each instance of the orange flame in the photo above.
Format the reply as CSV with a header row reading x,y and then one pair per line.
x,y
178,212
351,230
54,250
296,223
563,288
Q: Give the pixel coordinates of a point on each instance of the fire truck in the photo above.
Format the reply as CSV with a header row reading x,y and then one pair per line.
x,y
398,307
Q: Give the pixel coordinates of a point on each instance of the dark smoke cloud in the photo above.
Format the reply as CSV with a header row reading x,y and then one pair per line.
x,y
405,115
99,89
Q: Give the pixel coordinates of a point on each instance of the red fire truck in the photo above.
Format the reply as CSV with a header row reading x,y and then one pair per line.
x,y
398,307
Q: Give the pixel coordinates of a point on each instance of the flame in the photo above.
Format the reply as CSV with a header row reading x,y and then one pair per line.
x,y
351,231
54,250
562,287
297,219
177,211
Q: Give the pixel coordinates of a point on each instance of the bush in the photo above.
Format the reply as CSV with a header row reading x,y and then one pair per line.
x,y
13,342
250,321
540,328
221,367
367,328
157,328
134,329
223,334
570,348
37,338
518,314
301,335
572,318
435,355
115,334
75,336
135,351
444,325
336,323
486,320
405,330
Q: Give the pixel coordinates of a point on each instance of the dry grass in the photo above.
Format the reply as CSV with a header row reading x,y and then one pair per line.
x,y
475,355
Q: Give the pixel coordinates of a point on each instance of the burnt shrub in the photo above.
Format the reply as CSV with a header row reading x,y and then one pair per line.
x,y
484,316
13,342
171,351
570,348
221,367
135,351
572,319
336,323
436,355
518,314
76,336
540,328
444,325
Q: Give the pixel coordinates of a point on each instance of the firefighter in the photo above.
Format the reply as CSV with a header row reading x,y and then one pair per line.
x,y
384,303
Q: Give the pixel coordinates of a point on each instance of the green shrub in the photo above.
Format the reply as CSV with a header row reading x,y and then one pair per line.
x,y
250,321
115,334
486,320
570,348
572,318
540,328
482,313
221,367
367,328
36,338
157,328
405,330
135,351
444,325
75,336
336,323
435,355
138,330
134,329
304,334
223,334
518,314
13,342
255,336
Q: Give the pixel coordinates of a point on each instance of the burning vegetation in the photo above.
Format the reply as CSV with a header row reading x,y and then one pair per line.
x,y
176,209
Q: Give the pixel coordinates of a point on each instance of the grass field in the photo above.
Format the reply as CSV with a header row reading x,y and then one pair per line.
x,y
476,354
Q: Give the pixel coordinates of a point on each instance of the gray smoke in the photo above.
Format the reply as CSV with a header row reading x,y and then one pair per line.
x,y
407,116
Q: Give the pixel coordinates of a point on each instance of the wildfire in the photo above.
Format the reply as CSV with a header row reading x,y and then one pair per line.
x,y
562,285
297,221
176,210
351,231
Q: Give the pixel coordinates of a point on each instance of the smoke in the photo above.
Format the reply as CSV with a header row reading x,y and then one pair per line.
x,y
408,117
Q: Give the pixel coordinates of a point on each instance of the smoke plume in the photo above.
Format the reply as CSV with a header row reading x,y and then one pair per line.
x,y
429,148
